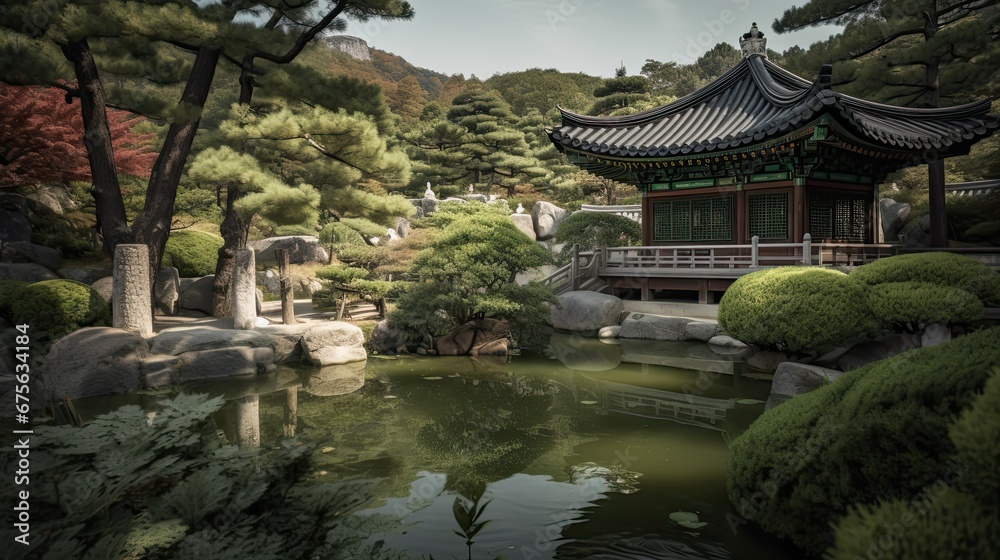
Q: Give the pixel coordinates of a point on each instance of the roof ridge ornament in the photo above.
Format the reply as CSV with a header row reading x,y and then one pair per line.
x,y
753,43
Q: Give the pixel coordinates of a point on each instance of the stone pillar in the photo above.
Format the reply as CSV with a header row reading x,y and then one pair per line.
x,y
244,290
248,421
291,418
132,303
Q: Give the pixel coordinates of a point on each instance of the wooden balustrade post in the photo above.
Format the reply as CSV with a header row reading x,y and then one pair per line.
x,y
574,267
807,249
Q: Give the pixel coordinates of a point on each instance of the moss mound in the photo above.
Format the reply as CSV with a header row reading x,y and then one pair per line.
x,y
9,293
879,433
906,306
941,269
192,253
797,309
60,307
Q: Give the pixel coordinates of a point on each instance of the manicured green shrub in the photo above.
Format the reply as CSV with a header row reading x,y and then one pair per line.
x,y
797,309
9,293
880,432
942,524
905,306
975,435
193,253
60,307
939,268
596,229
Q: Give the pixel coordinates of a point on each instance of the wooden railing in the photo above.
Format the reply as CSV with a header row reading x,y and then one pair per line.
x,y
585,266
630,211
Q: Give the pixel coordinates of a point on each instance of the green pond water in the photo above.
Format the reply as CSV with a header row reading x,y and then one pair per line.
x,y
584,452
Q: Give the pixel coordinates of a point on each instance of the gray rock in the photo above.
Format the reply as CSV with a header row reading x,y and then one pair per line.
x,y
301,249
919,235
331,381
270,280
611,331
702,330
26,272
224,362
104,287
198,295
258,301
654,327
792,378
546,218
892,214
385,339
180,340
934,335
585,312
333,342
774,400
14,227
14,203
402,227
46,256
765,360
582,353
429,205
84,275
49,199
166,291
160,371
355,47
725,341
864,352
524,223
476,197
94,361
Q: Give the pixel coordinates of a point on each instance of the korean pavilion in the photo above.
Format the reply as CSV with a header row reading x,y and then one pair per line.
x,y
763,152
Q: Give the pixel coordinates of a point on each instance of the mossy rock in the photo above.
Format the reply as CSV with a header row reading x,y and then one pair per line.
x,y
983,232
939,268
193,253
908,305
803,310
60,307
879,433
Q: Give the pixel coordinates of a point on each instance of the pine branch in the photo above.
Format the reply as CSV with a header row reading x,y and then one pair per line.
x,y
302,40
823,20
885,41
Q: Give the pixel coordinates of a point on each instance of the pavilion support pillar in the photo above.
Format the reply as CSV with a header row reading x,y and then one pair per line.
x,y
938,215
740,236
131,302
798,212
647,220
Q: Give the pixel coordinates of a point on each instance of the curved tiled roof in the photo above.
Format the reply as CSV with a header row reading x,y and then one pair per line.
x,y
756,100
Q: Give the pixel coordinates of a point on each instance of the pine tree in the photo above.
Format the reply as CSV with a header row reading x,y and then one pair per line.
x,y
921,53
617,94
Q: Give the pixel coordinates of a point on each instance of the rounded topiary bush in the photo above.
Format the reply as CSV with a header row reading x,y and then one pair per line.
x,y
192,253
939,268
880,432
9,293
60,307
906,306
597,229
797,309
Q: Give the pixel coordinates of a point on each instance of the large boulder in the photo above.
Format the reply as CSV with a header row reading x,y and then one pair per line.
x,y
166,291
182,340
105,287
84,275
270,280
793,378
301,249
919,235
14,226
26,272
49,199
386,339
94,361
486,337
893,215
525,224
585,312
24,251
333,342
198,295
702,330
546,217
654,327
224,362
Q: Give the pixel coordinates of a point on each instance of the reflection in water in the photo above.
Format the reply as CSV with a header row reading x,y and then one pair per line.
x,y
248,421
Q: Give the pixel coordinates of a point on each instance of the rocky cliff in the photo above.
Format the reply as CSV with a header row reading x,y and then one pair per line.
x,y
355,47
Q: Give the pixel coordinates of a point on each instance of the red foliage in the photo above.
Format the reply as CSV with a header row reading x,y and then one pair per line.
x,y
41,139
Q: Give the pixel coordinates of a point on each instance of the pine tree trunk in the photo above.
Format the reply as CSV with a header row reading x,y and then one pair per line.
x,y
111,220
234,229
153,226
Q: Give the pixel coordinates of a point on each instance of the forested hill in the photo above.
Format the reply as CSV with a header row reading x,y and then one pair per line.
x,y
383,68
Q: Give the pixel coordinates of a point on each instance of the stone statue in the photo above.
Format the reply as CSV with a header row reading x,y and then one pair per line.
x,y
519,209
753,42
471,189
429,194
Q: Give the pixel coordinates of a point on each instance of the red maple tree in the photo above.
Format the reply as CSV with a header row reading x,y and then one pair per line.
x,y
41,139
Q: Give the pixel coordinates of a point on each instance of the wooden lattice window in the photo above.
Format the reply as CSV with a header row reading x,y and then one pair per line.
x,y
841,217
708,219
768,216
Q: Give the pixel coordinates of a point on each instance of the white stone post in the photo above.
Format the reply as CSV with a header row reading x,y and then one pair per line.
x,y
807,249
244,290
754,242
132,307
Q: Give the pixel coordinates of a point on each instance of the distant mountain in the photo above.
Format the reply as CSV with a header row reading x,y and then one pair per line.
x,y
353,57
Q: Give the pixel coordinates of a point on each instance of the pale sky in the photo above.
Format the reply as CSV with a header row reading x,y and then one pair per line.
x,y
484,37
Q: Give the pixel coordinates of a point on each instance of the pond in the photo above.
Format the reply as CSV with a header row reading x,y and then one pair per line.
x,y
584,453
